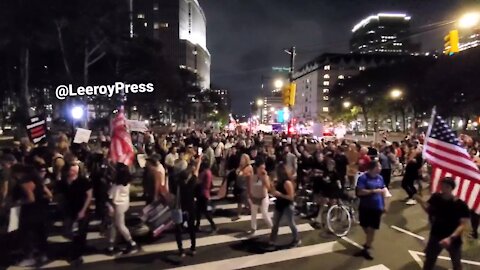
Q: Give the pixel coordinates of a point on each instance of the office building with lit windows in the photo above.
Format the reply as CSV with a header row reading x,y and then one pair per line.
x,y
181,27
386,33
316,79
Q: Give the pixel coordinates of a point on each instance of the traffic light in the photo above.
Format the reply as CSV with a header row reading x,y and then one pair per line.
x,y
451,43
288,94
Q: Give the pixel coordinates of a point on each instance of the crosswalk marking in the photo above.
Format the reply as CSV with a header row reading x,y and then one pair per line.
x,y
268,258
172,246
376,267
203,222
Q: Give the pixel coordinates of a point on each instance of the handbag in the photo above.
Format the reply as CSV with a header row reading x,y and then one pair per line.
x,y
177,213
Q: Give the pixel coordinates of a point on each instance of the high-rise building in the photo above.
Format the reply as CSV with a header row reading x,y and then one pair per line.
x,y
181,27
387,33
316,79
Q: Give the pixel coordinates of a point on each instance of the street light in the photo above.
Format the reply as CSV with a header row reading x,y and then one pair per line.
x,y
347,104
259,102
396,93
469,20
77,112
278,83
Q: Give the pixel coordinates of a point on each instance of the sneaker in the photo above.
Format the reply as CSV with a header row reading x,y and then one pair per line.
x,y
235,218
26,263
411,202
213,231
181,254
76,262
365,254
191,253
296,243
42,260
112,251
131,249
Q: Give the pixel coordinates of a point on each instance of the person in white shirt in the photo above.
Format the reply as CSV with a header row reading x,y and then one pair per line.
x,y
119,195
171,157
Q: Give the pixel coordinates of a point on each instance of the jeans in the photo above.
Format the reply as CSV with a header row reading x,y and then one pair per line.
x,y
202,209
433,249
119,224
277,217
264,210
191,230
408,184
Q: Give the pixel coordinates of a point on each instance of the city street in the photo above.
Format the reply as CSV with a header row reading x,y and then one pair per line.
x,y
398,246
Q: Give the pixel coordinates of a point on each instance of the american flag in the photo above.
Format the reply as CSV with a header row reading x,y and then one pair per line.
x,y
444,151
121,148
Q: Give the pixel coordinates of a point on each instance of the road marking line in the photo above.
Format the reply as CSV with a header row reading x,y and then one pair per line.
x,y
419,237
416,256
267,258
172,246
350,241
376,267
203,222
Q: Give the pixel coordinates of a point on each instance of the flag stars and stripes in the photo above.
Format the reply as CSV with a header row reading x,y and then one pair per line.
x,y
447,156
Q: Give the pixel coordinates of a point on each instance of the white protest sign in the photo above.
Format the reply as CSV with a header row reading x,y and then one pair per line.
x,y
82,135
135,125
317,130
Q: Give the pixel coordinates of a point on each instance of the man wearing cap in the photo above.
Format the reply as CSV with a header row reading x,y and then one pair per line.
x,y
449,217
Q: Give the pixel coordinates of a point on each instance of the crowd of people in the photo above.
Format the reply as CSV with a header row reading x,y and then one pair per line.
x,y
179,172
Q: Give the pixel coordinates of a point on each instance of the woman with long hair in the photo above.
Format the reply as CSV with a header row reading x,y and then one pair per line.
x,y
244,172
119,195
284,191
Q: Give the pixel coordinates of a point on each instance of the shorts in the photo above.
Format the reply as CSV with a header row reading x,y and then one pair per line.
x,y
370,218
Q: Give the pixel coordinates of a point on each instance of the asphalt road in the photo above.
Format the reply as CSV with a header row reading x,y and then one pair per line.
x,y
231,248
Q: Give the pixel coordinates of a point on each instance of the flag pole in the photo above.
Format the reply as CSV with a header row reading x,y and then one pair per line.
x,y
429,130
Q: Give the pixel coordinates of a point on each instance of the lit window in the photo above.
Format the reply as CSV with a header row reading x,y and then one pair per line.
x,y
325,98
164,25
326,76
156,25
341,77
327,67
155,6
325,109
326,91
361,68
140,16
145,24
326,83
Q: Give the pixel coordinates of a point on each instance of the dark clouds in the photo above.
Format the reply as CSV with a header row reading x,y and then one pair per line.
x,y
247,37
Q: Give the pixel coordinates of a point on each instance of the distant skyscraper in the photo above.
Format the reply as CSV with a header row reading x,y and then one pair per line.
x,y
383,33
181,26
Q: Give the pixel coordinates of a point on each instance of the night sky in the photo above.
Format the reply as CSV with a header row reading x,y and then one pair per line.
x,y
247,37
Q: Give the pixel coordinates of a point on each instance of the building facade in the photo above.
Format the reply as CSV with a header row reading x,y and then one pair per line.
x,y
181,27
386,33
316,78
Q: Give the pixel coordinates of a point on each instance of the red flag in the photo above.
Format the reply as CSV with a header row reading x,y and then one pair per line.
x,y
121,148
444,151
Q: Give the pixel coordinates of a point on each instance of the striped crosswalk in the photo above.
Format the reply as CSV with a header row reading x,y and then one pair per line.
x,y
231,233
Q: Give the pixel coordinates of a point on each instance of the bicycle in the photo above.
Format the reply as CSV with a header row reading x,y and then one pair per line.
x,y
342,215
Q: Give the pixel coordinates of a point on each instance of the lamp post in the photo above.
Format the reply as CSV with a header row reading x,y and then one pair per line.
x,y
469,20
397,94
260,107
347,104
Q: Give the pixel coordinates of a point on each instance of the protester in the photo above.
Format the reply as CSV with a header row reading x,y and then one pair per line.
x,y
186,181
119,195
387,160
449,217
372,192
259,185
32,196
412,173
284,191
78,195
154,182
203,196
243,172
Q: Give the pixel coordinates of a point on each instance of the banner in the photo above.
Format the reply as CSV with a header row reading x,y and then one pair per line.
x,y
135,125
37,129
82,135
